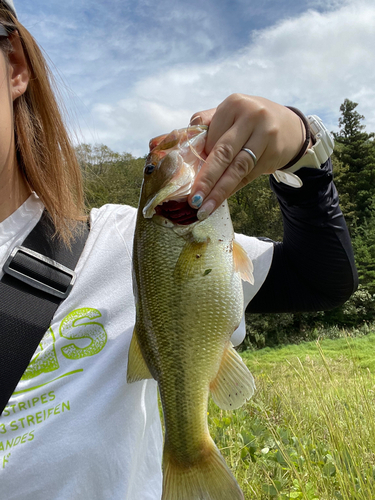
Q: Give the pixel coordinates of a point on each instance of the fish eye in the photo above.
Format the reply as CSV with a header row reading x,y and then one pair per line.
x,y
149,169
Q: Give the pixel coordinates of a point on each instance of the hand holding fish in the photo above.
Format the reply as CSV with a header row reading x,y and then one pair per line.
x,y
271,131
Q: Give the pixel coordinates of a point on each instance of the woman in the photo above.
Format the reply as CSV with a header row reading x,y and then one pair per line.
x,y
73,428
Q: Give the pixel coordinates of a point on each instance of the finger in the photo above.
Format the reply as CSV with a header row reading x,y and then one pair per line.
x,y
202,117
266,161
238,174
196,120
220,157
220,124
254,174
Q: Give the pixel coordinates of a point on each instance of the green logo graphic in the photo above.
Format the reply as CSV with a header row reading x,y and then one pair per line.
x,y
45,360
77,325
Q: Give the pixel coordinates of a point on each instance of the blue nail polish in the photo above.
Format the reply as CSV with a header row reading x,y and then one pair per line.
x,y
197,200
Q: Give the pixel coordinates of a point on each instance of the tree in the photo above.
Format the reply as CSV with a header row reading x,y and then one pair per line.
x,y
354,166
255,210
109,177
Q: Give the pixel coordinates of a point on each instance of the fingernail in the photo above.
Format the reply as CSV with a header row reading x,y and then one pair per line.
x,y
196,121
206,210
196,200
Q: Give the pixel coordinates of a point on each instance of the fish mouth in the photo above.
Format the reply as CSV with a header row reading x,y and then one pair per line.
x,y
178,212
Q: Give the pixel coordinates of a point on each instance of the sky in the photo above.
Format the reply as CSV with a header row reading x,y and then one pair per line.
x,y
131,70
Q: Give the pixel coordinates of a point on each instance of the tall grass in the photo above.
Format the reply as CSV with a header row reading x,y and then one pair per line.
x,y
309,431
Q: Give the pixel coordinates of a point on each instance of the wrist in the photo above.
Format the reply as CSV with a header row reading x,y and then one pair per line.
x,y
317,152
306,142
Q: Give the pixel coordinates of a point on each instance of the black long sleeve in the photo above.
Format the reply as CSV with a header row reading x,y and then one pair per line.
x,y
313,268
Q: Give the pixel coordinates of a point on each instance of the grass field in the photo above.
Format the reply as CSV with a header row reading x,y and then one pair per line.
x,y
309,431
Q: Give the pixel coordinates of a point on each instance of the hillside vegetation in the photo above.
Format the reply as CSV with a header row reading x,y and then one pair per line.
x,y
309,431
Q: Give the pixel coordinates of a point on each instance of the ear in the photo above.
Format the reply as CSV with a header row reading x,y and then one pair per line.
x,y
18,69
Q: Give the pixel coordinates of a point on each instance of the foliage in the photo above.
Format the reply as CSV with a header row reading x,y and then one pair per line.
x,y
358,310
356,156
354,168
255,210
270,330
309,430
109,177
364,251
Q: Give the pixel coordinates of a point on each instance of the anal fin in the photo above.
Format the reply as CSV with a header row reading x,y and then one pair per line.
x,y
233,384
137,368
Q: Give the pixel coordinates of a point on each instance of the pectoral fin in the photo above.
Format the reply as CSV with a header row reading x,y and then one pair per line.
x,y
137,368
192,260
242,263
233,384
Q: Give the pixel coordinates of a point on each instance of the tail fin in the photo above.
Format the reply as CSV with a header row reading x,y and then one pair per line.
x,y
208,479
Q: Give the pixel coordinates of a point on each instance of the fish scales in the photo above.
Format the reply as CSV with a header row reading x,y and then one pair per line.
x,y
188,303
173,308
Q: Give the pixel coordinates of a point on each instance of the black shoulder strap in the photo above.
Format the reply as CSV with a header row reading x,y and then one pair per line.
x,y
38,276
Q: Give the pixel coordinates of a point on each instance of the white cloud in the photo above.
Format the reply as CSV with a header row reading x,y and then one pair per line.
x,y
313,61
136,82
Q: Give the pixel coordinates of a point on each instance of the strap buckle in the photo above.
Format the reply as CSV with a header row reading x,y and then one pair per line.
x,y
32,276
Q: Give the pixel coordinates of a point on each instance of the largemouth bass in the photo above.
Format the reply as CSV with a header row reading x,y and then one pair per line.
x,y
188,291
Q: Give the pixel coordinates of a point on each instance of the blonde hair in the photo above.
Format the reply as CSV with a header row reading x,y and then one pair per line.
x,y
45,153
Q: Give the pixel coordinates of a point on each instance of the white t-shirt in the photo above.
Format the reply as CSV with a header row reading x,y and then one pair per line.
x,y
74,429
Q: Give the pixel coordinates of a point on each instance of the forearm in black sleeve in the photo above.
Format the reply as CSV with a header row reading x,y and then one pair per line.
x,y
313,268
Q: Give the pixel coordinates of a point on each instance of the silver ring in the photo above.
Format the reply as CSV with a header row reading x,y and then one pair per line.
x,y
251,154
